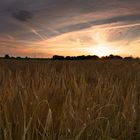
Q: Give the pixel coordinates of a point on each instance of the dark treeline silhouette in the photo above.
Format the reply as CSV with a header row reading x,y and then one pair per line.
x,y
112,57
81,57
6,56
12,57
58,57
91,57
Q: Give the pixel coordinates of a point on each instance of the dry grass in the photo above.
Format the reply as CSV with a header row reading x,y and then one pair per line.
x,y
64,100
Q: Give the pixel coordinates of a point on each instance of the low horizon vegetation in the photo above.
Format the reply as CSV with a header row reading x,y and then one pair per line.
x,y
80,57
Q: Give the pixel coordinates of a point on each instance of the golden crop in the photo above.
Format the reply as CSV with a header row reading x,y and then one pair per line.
x,y
69,100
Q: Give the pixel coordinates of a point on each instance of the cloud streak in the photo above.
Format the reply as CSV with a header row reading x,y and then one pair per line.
x,y
38,22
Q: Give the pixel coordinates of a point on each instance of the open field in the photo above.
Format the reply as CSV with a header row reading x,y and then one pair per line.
x,y
69,100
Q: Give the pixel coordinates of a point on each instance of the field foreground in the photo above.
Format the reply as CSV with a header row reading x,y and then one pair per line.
x,y
69,100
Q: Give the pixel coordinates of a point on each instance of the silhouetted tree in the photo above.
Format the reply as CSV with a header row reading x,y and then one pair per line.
x,y
12,57
18,57
128,58
110,57
7,56
138,58
88,57
68,58
27,57
94,57
58,57
82,57
118,57
104,57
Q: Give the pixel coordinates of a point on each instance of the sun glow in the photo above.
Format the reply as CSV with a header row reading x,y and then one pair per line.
x,y
101,50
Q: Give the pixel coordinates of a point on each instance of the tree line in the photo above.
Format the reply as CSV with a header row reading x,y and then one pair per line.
x,y
91,57
81,57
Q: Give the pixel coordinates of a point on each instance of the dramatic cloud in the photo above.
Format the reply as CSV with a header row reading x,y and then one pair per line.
x,y
53,26
22,15
126,18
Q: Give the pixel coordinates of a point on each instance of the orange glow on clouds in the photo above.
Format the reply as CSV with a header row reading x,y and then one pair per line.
x,y
93,41
80,27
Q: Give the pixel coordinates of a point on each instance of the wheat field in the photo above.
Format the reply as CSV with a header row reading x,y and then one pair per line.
x,y
69,100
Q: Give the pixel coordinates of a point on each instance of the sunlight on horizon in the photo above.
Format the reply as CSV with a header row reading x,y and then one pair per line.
x,y
101,50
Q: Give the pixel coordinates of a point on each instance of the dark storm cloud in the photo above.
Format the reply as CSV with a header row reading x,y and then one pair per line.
x,y
55,17
22,15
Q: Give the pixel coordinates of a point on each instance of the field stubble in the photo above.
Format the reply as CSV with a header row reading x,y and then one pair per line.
x,y
69,100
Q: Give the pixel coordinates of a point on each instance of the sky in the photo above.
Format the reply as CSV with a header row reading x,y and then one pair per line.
x,y
43,28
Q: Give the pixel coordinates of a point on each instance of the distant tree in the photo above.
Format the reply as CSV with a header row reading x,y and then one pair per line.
x,y
128,58
94,57
114,57
58,57
12,57
104,57
138,58
27,57
118,57
7,56
18,57
68,58
82,57
111,56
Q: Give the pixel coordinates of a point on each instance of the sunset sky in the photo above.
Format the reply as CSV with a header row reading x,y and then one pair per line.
x,y
42,28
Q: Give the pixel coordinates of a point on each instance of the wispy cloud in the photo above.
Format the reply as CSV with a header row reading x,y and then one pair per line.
x,y
58,25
